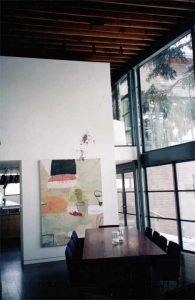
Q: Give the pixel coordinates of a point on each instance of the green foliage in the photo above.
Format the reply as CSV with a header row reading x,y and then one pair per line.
x,y
162,66
188,81
153,95
167,96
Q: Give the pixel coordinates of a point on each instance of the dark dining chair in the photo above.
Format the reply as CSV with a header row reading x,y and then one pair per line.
x,y
148,232
74,235
155,237
79,241
74,267
68,256
167,269
171,269
107,226
131,279
162,242
173,249
72,246
84,277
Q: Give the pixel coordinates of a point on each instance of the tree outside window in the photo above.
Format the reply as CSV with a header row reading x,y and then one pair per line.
x,y
168,96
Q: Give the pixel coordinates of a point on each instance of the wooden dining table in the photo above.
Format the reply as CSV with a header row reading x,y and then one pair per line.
x,y
124,268
98,245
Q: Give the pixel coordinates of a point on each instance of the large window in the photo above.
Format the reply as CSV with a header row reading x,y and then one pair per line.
x,y
161,198
156,102
186,194
168,96
121,107
171,201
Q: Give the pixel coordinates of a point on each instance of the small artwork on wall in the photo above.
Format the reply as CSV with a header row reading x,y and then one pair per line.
x,y
70,198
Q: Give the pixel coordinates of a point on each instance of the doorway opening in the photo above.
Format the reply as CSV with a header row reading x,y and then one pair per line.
x,y
10,206
127,196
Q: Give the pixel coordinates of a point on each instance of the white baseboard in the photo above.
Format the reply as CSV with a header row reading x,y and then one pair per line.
x,y
43,260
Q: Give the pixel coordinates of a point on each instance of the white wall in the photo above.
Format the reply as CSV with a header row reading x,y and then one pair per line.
x,y
46,106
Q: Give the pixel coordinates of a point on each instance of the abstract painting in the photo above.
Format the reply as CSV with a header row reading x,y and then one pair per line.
x,y
70,198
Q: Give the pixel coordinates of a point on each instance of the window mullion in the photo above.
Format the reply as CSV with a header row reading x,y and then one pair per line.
x,y
177,205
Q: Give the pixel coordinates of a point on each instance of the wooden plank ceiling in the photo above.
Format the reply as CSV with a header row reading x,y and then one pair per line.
x,y
122,33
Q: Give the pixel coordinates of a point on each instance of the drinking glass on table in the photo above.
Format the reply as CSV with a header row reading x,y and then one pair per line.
x,y
115,237
121,234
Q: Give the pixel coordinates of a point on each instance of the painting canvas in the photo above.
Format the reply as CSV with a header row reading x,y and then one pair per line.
x,y
70,198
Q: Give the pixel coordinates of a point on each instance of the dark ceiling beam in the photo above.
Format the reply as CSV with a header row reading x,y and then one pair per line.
x,y
71,43
125,48
125,54
150,4
184,1
62,55
60,26
98,15
92,48
72,25
77,39
120,9
79,20
123,33
78,32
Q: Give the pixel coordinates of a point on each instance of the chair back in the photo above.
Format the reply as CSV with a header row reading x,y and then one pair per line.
x,y
72,245
155,236
68,253
148,232
173,249
162,243
74,235
168,268
76,244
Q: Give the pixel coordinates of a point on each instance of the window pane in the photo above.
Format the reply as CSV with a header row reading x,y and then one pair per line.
x,y
119,182
121,219
188,235
186,175
121,108
12,189
131,221
128,137
168,228
126,119
162,205
130,200
114,103
160,178
168,96
120,202
129,182
125,105
187,205
123,88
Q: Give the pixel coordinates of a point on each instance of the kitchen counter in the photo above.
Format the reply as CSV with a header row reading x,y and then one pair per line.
x,y
9,204
9,207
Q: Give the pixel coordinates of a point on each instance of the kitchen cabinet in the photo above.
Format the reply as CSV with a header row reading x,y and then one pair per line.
x,y
9,219
10,226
